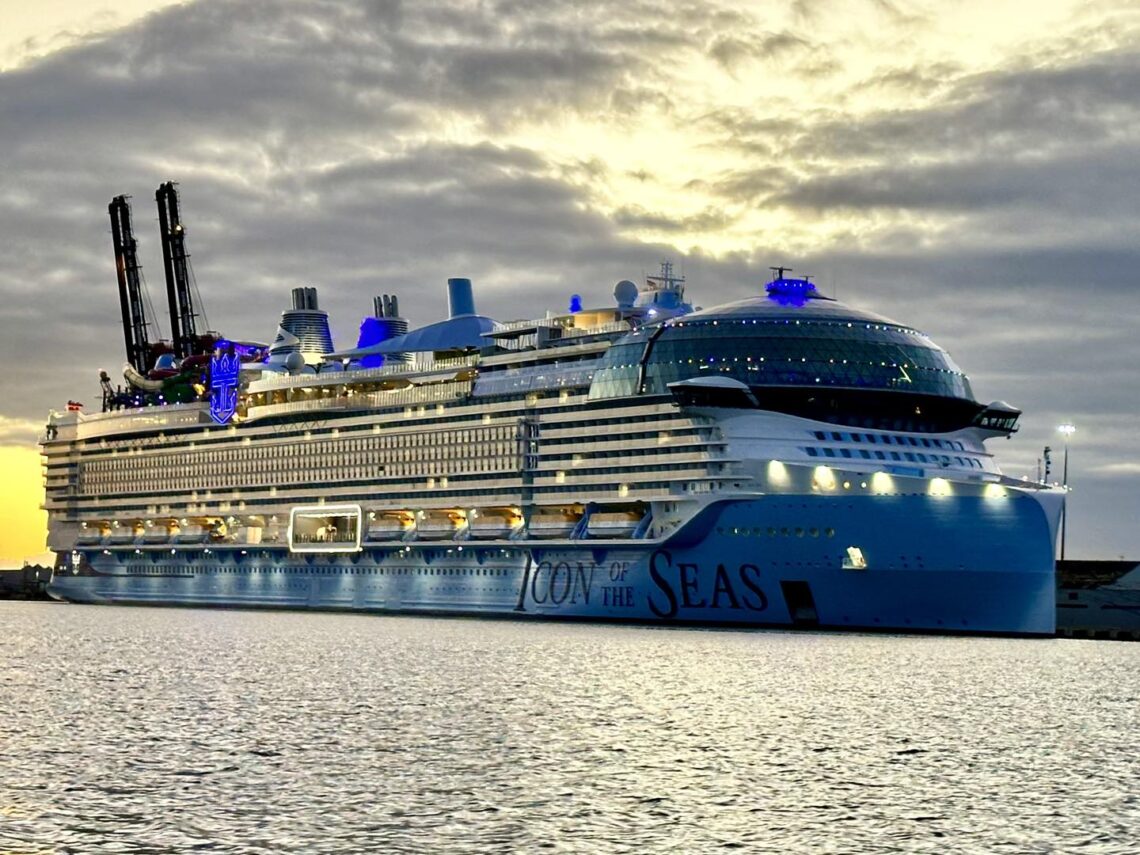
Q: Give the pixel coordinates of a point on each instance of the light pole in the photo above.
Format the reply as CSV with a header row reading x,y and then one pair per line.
x,y
1066,430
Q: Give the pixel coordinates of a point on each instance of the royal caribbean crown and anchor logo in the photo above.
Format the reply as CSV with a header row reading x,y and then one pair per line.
x,y
225,366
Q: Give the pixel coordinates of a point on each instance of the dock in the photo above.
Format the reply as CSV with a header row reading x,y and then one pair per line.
x,y
1098,599
25,583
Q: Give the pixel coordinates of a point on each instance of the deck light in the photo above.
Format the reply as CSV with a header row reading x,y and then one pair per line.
x,y
881,482
940,487
778,473
823,478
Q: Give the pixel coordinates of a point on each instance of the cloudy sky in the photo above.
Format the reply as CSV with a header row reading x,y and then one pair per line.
x,y
965,167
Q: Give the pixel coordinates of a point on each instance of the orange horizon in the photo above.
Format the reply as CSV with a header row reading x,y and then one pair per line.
x,y
23,530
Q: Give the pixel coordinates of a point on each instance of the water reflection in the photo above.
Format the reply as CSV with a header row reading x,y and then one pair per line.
x,y
148,730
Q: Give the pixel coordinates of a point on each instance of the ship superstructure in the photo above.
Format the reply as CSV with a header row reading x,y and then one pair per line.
x,y
780,460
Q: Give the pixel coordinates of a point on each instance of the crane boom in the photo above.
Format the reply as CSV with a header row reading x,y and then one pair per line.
x,y
130,290
183,332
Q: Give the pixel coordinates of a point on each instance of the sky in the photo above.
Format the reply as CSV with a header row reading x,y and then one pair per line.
x,y
963,167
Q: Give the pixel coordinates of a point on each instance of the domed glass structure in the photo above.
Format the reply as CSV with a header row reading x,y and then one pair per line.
x,y
800,353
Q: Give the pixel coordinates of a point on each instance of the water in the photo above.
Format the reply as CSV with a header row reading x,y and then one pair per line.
x,y
171,730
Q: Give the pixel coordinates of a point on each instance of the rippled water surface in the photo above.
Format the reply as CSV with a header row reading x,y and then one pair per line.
x,y
170,730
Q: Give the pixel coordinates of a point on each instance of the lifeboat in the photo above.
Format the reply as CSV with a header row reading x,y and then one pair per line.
x,y
389,525
220,530
193,531
494,523
273,531
92,533
612,524
253,530
159,531
125,531
441,525
554,522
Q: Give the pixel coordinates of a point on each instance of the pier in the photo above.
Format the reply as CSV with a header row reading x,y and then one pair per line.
x,y
1098,599
25,583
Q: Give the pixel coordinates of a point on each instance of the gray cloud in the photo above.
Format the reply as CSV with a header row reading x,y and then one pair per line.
x,y
730,50
1062,183
359,147
634,216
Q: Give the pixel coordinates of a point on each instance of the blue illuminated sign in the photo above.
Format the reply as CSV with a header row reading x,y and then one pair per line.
x,y
225,367
575,303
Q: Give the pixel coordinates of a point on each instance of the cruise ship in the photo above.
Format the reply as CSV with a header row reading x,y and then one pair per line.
x,y
783,460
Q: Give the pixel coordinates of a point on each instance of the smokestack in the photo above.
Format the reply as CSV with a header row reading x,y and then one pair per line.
x,y
305,298
385,306
460,300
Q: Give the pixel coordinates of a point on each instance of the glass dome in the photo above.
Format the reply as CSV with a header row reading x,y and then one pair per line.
x,y
808,355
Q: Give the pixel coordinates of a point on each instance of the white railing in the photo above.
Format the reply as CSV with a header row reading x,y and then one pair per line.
x,y
612,327
418,364
434,393
71,426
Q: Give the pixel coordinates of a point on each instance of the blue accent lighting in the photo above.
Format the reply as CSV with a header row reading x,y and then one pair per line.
x,y
372,331
225,369
575,303
375,331
791,292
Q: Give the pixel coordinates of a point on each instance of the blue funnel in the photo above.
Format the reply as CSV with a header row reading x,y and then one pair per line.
x,y
460,300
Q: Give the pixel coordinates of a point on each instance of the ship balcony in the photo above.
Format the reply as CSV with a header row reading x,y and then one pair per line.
x,y
646,444
628,474
650,427
638,459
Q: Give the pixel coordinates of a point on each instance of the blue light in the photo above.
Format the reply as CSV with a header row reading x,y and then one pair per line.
x,y
225,368
791,292
575,303
372,331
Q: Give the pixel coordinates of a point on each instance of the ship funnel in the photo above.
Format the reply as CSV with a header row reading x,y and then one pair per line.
x,y
460,300
304,329
305,299
385,306
386,324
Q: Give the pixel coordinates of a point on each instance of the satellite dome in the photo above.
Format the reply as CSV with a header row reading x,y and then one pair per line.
x,y
625,292
294,362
